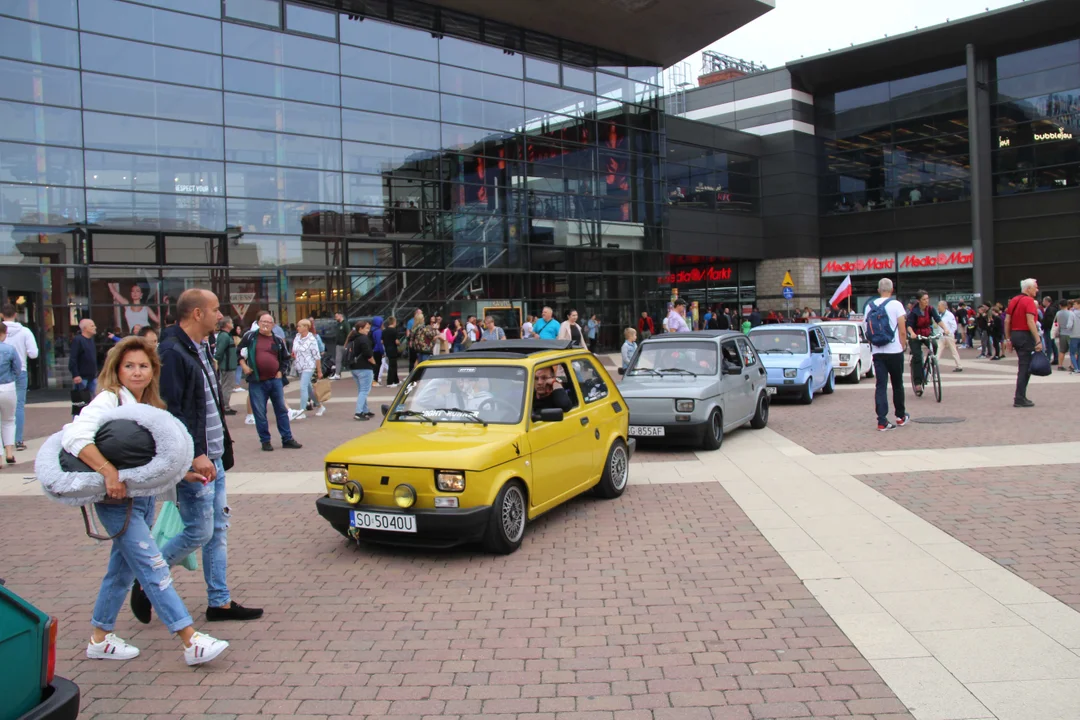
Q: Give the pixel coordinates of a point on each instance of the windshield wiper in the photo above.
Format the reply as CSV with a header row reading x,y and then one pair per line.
x,y
471,413
677,370
413,413
643,370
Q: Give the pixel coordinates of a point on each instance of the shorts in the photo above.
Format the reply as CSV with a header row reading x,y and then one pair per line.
x,y
1063,344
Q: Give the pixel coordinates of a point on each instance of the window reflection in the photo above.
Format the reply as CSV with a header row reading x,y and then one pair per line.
x,y
282,115
38,83
393,99
38,43
281,82
373,65
264,12
259,181
151,99
57,12
115,171
146,135
39,124
267,148
311,21
153,62
147,210
37,204
279,48
391,38
40,164
111,17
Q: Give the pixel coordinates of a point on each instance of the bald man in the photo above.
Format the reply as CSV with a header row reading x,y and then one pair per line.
x,y
82,360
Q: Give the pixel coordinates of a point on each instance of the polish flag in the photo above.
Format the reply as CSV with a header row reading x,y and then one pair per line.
x,y
844,291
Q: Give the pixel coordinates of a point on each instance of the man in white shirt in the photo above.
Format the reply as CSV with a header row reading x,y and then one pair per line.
x,y
676,319
887,345
22,339
949,339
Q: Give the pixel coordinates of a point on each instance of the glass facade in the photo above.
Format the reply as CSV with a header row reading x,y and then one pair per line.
x,y
307,161
706,179
1036,115
895,144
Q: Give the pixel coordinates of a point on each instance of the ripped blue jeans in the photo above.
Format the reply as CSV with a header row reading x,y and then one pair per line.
x,y
134,555
205,512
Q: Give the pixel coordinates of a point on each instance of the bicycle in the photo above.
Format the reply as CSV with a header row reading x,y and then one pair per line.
x,y
931,370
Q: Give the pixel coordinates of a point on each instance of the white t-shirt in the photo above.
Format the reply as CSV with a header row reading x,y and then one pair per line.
x,y
895,309
676,323
949,320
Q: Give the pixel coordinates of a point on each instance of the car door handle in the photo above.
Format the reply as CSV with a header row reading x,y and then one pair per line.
x,y
584,421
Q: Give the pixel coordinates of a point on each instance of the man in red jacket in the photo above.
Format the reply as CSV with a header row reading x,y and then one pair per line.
x,y
645,326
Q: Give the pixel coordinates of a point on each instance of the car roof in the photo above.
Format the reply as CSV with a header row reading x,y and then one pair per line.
x,y
695,335
781,326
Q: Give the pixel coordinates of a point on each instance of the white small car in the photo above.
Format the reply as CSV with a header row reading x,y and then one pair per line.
x,y
850,348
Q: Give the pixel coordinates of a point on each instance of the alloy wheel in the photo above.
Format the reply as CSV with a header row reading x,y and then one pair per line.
x,y
513,513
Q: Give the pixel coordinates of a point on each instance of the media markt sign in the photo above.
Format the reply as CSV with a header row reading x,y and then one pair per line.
x,y
923,260
859,265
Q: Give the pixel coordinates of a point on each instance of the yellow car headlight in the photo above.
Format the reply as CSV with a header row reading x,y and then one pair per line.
x,y
450,480
404,496
337,474
353,492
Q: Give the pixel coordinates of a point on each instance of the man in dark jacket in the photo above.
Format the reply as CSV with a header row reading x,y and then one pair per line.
x,y
191,393
264,357
82,360
225,354
341,330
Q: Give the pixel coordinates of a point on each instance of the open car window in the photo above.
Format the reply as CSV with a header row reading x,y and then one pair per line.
x,y
463,393
731,353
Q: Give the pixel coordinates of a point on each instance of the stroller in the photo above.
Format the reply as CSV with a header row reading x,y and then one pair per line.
x,y
328,365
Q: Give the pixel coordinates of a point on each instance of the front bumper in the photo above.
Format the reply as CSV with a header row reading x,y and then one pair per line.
x,y
445,527
789,386
683,431
60,703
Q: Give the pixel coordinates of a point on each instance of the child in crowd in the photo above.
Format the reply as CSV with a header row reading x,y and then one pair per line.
x,y
629,347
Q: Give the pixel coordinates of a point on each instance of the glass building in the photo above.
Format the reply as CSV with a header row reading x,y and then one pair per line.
x,y
306,161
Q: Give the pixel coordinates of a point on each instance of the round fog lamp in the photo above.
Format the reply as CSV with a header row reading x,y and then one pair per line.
x,y
353,492
404,496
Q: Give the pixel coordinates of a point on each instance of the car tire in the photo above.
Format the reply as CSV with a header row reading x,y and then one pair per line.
x,y
714,431
807,396
856,377
870,371
616,472
761,416
509,516
830,384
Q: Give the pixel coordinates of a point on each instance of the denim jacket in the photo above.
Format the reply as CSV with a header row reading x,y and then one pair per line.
x,y
10,364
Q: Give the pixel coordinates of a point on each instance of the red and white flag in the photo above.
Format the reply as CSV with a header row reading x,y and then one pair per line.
x,y
844,291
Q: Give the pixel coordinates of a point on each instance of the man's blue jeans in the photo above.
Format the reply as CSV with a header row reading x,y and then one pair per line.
x,y
20,408
205,512
274,391
363,380
1050,347
134,556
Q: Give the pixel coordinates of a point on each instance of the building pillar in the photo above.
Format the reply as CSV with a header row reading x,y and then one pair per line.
x,y
979,146
805,273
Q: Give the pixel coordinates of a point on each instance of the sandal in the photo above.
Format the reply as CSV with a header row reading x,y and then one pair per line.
x,y
11,460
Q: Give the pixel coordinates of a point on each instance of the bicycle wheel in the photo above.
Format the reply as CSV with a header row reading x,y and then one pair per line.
x,y
937,379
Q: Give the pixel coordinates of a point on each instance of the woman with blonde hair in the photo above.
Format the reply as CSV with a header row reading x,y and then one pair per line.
x,y
131,374
10,367
308,363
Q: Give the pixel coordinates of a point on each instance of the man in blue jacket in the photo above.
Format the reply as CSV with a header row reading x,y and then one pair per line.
x,y
191,393
82,360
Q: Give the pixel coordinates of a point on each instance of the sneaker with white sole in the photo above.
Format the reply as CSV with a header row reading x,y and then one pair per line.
x,y
249,419
236,390
295,414
321,411
203,649
299,416
111,648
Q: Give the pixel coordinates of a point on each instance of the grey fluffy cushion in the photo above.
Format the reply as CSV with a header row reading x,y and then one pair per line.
x,y
174,453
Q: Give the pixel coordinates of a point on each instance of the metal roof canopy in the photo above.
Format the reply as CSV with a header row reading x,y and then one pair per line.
x,y
1003,31
662,32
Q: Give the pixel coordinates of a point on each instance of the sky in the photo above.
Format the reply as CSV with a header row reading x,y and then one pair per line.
x,y
810,27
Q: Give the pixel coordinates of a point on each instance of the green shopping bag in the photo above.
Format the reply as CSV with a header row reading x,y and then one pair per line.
x,y
167,526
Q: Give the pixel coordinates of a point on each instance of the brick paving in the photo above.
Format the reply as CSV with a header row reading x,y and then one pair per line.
x,y
664,604
846,421
1026,519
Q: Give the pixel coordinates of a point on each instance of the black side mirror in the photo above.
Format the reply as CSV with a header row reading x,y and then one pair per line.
x,y
622,371
385,409
731,368
548,415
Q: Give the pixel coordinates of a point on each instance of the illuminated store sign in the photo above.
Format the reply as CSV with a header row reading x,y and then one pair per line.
x,y
713,273
858,265
963,258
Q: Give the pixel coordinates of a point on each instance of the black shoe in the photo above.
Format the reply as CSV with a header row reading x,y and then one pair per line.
x,y
1024,402
360,416
140,604
229,411
20,446
235,611
267,447
958,369
291,445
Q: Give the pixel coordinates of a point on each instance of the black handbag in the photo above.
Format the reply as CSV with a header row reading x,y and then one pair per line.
x,y
80,398
1040,364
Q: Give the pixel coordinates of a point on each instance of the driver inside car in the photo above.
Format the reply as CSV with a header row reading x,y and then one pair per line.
x,y
549,392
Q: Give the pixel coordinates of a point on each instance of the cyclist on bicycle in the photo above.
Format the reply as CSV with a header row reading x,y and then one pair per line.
x,y
921,323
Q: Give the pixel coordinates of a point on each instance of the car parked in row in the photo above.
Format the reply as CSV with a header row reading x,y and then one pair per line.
x,y
850,349
797,359
695,386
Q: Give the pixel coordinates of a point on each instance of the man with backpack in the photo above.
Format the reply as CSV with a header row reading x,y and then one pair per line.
x,y
886,326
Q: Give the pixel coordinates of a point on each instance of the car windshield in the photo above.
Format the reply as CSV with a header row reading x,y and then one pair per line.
x,y
841,333
463,394
675,358
779,341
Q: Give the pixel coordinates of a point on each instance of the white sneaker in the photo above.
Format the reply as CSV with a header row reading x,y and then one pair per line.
x,y
321,411
239,389
203,649
294,414
299,416
336,376
111,648
249,420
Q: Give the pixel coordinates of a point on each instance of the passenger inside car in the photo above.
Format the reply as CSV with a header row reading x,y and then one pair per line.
x,y
550,392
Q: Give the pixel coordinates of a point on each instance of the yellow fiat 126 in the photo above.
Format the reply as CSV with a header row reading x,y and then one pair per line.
x,y
478,443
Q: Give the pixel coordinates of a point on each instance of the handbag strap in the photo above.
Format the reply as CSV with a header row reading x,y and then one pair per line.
x,y
97,536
